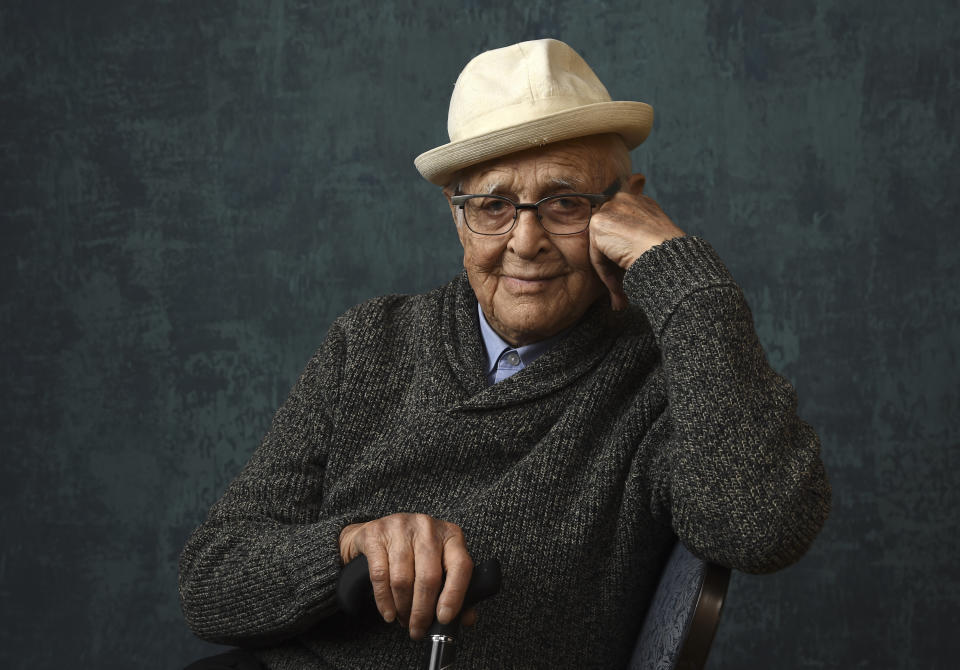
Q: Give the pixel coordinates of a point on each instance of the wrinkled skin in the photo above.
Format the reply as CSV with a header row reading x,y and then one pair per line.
x,y
407,555
531,285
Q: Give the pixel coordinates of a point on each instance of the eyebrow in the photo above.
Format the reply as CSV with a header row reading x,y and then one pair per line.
x,y
553,184
571,183
494,188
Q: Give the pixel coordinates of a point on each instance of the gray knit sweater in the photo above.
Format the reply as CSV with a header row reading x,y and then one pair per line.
x,y
661,420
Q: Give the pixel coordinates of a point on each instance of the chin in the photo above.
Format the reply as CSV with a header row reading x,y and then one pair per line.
x,y
530,330
534,317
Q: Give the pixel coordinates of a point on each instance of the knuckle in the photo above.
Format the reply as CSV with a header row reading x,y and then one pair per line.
x,y
400,582
424,522
392,522
454,532
375,530
460,560
429,581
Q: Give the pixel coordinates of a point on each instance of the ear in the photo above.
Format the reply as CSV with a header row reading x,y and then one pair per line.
x,y
455,213
634,184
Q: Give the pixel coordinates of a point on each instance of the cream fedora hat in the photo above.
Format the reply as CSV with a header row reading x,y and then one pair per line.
x,y
527,95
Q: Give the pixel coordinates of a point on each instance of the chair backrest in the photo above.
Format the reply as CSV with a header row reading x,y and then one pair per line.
x,y
680,624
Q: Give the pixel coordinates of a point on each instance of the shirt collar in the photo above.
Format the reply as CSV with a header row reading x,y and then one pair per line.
x,y
495,345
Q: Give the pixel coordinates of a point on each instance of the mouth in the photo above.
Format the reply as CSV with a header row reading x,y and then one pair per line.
x,y
527,283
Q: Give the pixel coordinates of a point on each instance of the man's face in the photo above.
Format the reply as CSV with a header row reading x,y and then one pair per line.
x,y
531,284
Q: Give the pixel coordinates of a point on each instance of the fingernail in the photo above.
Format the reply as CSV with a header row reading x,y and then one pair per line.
x,y
415,633
389,615
444,614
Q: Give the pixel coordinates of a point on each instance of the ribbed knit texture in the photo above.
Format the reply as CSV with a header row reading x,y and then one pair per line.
x,y
575,472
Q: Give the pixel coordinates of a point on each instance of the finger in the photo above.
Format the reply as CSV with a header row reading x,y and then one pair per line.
x,y
379,567
607,271
469,617
402,577
429,577
459,567
348,550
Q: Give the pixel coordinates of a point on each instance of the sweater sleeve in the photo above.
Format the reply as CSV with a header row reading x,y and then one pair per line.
x,y
263,566
735,470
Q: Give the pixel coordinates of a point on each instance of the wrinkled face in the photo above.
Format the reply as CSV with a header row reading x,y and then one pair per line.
x,y
531,284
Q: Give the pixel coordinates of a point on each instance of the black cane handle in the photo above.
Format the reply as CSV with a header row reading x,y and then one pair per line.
x,y
354,590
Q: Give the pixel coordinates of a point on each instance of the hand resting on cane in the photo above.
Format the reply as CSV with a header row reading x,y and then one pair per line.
x,y
408,555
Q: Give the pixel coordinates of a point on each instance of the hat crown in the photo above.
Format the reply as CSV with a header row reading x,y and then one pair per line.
x,y
521,82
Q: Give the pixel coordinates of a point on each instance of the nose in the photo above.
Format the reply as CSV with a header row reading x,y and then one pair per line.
x,y
528,238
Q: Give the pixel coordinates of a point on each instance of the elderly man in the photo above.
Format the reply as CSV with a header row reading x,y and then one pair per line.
x,y
588,390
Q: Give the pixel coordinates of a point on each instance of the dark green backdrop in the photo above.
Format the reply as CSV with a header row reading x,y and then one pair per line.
x,y
192,191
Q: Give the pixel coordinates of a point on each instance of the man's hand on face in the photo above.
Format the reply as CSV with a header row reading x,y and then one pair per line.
x,y
624,228
407,555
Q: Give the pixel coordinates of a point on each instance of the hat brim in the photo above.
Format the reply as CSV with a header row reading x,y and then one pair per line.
x,y
631,120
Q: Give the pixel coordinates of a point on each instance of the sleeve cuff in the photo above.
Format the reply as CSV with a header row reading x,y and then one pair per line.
x,y
666,274
314,563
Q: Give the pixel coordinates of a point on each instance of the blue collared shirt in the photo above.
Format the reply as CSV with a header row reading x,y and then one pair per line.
x,y
504,360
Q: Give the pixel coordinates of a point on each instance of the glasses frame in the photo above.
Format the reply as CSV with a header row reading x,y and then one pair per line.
x,y
596,200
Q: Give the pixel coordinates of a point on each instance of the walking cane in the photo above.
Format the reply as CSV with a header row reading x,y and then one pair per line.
x,y
355,596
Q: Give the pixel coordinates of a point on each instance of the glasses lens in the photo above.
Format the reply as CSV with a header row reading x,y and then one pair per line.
x,y
489,214
566,214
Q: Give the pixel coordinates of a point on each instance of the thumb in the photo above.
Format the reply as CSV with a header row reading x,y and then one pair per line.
x,y
348,548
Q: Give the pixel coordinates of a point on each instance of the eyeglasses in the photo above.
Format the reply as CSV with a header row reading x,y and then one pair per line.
x,y
561,214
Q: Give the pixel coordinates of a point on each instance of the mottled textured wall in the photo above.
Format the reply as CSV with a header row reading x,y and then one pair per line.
x,y
191,192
